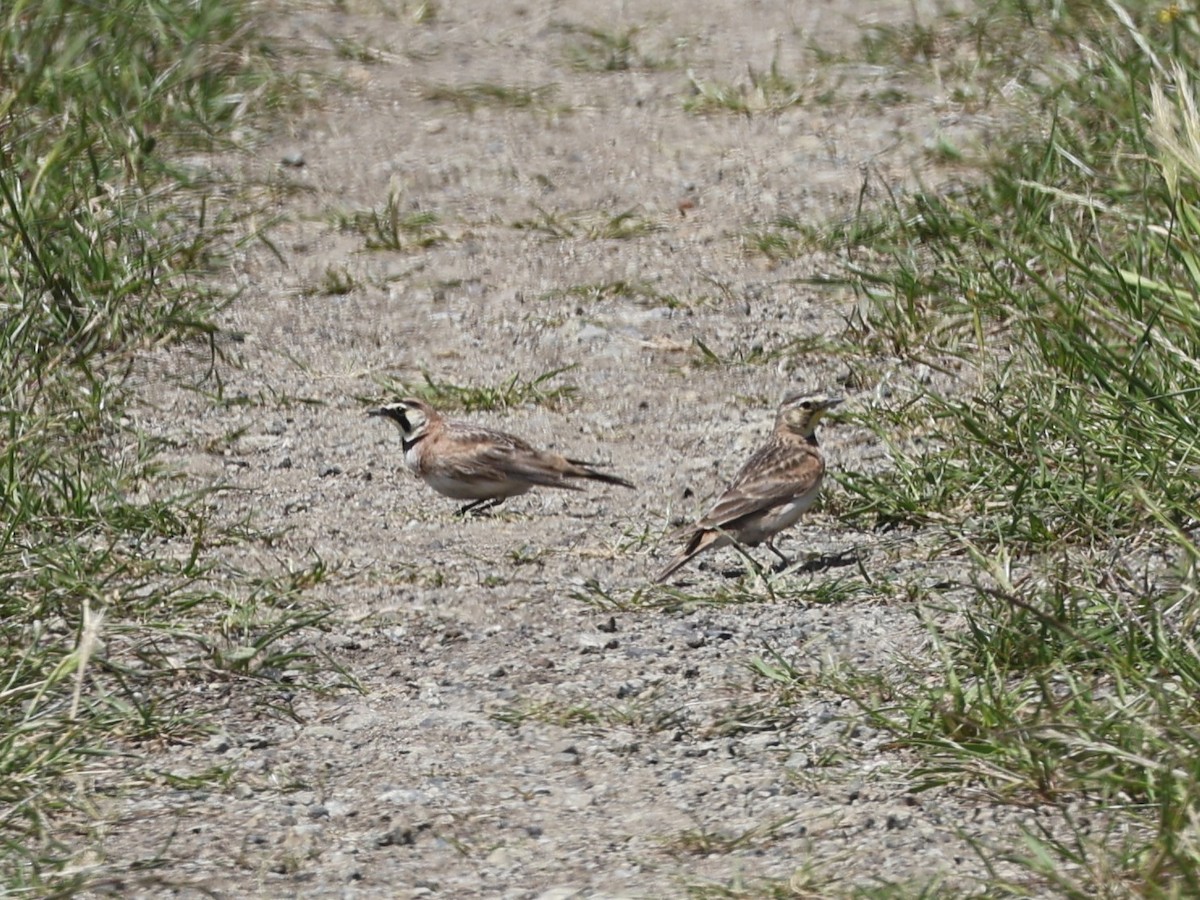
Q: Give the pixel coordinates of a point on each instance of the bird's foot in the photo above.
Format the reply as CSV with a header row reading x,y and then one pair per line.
x,y
482,507
819,562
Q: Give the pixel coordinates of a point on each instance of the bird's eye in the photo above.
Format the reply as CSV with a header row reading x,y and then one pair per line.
x,y
807,404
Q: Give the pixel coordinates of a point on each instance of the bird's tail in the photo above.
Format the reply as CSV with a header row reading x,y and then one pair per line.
x,y
698,541
672,567
589,470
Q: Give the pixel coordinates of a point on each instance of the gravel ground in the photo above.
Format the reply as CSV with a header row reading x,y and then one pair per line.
x,y
519,735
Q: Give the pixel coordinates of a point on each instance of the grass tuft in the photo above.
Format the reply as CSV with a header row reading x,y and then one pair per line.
x,y
762,92
592,226
605,50
471,97
393,227
516,391
640,292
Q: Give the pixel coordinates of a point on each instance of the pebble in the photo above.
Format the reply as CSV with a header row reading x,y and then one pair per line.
x,y
561,892
590,333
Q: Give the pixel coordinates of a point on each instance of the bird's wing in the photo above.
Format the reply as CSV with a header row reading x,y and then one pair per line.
x,y
475,453
518,461
468,434
777,473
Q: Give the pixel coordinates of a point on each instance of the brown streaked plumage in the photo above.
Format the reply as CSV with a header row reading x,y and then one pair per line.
x,y
775,486
482,465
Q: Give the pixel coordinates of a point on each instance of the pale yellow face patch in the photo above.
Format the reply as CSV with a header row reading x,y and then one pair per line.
x,y
801,414
415,417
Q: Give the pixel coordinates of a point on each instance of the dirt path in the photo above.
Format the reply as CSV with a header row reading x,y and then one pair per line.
x,y
521,733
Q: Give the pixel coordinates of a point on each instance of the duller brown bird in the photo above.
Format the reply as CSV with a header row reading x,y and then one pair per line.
x,y
772,490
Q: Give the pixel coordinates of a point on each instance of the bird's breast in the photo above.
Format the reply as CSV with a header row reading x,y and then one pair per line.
x,y
414,458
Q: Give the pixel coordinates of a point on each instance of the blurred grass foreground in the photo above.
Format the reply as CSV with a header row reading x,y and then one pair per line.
x,y
118,629
1064,284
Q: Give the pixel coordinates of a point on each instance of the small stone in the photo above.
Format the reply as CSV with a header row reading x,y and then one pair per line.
x,y
561,892
257,443
762,740
589,333
401,835
293,159
798,761
403,797
340,809
630,689
591,643
501,856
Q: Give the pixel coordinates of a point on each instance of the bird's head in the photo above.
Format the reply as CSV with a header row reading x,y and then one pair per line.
x,y
411,416
800,413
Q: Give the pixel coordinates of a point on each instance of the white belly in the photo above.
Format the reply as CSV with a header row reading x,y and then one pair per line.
x,y
775,520
474,489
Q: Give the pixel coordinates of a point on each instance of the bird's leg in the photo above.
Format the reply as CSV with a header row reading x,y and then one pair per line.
x,y
479,507
744,552
770,542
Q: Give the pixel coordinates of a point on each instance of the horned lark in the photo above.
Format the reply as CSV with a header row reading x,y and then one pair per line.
x,y
485,466
778,483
